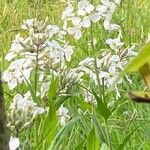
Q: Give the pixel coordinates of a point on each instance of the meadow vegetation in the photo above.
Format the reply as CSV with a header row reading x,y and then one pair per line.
x,y
59,79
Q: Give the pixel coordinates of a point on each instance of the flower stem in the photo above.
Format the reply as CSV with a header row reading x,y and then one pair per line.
x,y
95,60
36,69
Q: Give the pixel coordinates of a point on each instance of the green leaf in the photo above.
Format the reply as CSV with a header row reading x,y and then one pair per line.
x,y
142,58
31,89
92,141
50,122
80,145
126,139
62,133
99,129
102,107
52,92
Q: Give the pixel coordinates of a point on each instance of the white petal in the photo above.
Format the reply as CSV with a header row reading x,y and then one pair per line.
x,y
76,21
108,16
101,8
86,22
112,7
69,9
82,4
106,25
115,58
103,74
29,22
109,41
62,121
71,30
65,25
112,70
117,1
114,27
7,76
95,17
89,8
12,84
81,12
105,2
14,143
78,34
10,56
24,27
38,110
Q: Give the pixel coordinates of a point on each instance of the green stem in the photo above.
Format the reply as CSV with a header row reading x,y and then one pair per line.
x,y
101,92
95,61
36,68
108,135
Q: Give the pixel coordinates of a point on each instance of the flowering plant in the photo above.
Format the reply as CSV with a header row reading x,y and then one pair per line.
x,y
40,59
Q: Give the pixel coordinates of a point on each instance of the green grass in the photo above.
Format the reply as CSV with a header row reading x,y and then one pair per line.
x,y
134,18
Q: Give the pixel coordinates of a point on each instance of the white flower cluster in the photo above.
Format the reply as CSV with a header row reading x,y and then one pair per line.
x,y
43,49
68,77
84,13
42,52
23,111
80,15
110,64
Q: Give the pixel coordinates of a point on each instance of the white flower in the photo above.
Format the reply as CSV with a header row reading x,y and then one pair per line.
x,y
117,1
27,24
89,97
52,30
114,58
68,51
131,51
110,26
23,111
26,105
69,77
115,44
68,13
76,31
103,74
17,72
84,7
86,22
16,48
106,9
87,61
14,143
10,79
44,88
63,115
